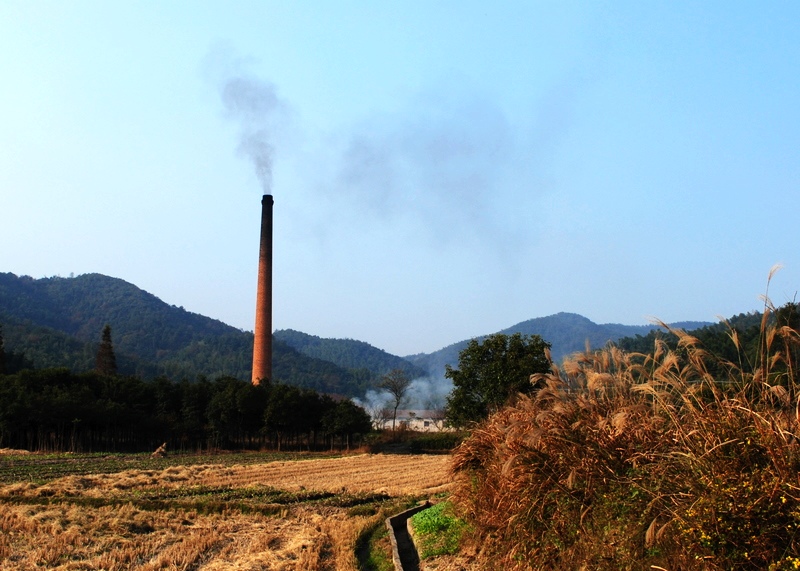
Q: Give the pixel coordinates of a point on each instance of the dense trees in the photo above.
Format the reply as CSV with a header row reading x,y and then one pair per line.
x,y
2,353
55,409
492,371
345,419
348,353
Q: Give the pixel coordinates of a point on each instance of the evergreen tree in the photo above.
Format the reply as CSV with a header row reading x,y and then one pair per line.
x,y
106,362
2,353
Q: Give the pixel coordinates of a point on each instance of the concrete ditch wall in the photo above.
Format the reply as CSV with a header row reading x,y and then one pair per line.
x,y
404,552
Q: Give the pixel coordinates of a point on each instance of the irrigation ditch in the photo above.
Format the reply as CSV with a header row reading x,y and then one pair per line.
x,y
404,552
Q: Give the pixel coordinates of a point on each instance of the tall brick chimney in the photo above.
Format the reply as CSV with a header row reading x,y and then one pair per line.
x,y
262,344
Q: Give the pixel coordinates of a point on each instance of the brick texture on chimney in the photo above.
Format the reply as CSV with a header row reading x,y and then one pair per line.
x,y
262,343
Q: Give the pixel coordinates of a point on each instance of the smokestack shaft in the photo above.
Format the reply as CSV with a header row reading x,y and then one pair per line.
x,y
262,343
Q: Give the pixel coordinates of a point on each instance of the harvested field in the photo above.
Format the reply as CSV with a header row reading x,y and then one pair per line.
x,y
287,515
392,475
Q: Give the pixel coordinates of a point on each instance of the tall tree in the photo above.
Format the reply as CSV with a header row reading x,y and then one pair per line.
x,y
396,382
106,361
491,372
2,353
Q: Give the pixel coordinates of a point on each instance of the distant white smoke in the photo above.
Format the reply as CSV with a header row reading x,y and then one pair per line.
x,y
424,393
428,393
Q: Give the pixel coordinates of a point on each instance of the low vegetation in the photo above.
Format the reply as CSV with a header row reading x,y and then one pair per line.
x,y
672,459
437,531
22,466
377,550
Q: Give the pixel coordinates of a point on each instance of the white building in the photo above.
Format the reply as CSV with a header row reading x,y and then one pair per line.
x,y
417,420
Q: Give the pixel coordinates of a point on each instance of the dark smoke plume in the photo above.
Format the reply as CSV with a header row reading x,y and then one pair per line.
x,y
255,106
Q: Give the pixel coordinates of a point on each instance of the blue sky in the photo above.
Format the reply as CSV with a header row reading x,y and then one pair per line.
x,y
440,170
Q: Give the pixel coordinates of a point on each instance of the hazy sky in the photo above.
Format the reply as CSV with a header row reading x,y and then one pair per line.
x,y
440,169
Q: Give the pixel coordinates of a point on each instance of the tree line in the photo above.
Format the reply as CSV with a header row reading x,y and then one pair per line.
x,y
58,410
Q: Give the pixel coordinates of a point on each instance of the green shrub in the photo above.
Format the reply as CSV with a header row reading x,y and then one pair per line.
x,y
437,530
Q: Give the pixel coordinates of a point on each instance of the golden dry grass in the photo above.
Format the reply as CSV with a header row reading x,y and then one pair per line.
x,y
65,535
5,451
393,475
675,459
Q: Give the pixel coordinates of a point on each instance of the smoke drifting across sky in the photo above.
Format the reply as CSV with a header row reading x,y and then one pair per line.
x,y
445,165
441,188
253,104
441,159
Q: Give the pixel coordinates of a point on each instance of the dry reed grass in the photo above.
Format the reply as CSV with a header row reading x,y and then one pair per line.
x,y
631,461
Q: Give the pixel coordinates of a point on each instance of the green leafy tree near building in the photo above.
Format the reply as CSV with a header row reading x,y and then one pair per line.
x,y
106,362
491,372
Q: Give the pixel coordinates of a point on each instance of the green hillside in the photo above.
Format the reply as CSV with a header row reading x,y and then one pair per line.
x,y
347,353
57,322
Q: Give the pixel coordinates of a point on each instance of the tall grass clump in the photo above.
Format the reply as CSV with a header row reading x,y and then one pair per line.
x,y
644,461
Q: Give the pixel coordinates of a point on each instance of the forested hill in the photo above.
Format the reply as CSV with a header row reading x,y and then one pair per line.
x,y
347,353
569,332
566,332
143,324
57,322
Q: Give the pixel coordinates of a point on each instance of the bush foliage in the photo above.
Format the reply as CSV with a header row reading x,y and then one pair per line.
x,y
492,371
673,459
437,530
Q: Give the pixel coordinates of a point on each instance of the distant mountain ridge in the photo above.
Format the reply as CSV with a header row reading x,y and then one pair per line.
x,y
57,322
567,333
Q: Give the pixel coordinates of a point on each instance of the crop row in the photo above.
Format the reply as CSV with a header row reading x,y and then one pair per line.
x,y
206,500
43,468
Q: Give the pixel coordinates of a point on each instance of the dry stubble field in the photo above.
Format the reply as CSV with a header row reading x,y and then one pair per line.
x,y
279,515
